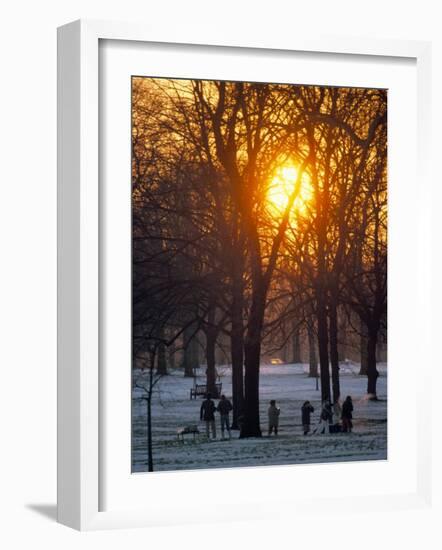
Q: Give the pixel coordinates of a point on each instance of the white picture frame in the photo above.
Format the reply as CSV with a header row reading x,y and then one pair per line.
x,y
79,436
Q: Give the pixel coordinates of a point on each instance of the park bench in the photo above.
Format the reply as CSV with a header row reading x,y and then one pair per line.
x,y
200,390
181,432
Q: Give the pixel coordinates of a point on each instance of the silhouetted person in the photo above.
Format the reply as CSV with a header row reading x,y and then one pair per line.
x,y
347,415
273,412
224,407
306,411
207,413
325,419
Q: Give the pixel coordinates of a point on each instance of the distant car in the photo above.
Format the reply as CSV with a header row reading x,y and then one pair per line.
x,y
276,361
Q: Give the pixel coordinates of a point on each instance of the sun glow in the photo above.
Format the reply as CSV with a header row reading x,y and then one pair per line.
x,y
283,184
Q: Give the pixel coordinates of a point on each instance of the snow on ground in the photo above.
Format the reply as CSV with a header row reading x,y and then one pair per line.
x,y
290,386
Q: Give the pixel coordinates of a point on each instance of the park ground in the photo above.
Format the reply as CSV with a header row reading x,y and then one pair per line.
x,y
290,385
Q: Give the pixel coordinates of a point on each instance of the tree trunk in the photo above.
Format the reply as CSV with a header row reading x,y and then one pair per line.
x,y
149,413
250,427
342,333
296,344
372,372
195,353
313,359
188,351
161,361
334,354
237,348
323,348
364,349
211,334
237,351
210,358
149,435
286,354
171,357
220,357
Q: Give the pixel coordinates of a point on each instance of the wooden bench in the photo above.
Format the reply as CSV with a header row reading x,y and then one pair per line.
x,y
181,432
200,390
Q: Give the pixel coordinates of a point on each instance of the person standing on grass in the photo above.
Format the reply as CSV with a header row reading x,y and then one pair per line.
x,y
347,415
224,407
273,413
207,413
325,419
306,411
337,411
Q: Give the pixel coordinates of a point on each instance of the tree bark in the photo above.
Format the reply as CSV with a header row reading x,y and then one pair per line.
x,y
149,435
296,344
364,349
195,352
342,333
323,348
372,372
211,334
161,360
313,359
250,427
334,353
189,351
171,357
210,358
237,344
237,351
149,413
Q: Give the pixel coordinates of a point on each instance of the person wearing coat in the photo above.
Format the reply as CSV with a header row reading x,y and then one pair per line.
x,y
325,419
337,411
224,407
347,415
273,413
207,413
306,411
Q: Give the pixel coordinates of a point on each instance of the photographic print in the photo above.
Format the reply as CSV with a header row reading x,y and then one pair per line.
x,y
259,274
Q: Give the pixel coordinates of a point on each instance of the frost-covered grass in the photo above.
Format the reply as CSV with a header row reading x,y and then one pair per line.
x,y
290,386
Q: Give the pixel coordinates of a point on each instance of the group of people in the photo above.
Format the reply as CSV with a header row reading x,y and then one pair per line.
x,y
343,416
208,410
207,413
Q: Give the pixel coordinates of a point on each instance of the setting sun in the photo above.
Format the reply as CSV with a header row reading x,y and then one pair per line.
x,y
282,186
